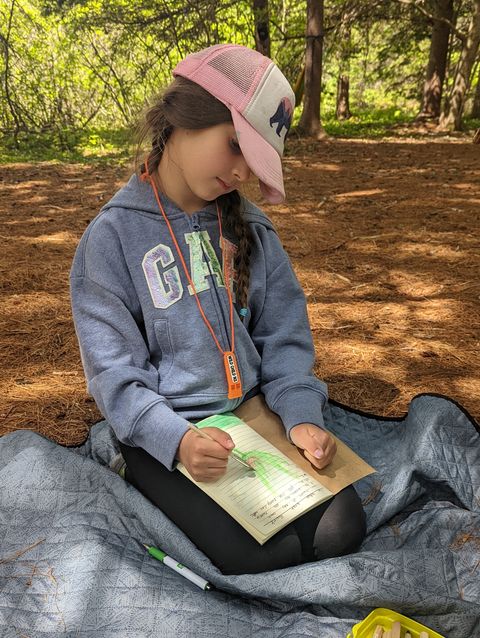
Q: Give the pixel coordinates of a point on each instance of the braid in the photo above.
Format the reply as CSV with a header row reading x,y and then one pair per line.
x,y
235,221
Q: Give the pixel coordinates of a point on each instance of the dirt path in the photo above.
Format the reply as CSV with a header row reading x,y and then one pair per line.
x,y
384,237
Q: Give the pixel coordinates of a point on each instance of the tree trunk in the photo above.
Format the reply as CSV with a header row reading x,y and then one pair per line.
x,y
299,85
310,123
451,118
343,81
12,107
343,98
437,62
262,30
476,100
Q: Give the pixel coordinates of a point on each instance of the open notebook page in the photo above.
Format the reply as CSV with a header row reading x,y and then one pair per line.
x,y
266,499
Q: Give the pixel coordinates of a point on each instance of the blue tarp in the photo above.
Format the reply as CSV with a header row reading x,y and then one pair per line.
x,y
72,561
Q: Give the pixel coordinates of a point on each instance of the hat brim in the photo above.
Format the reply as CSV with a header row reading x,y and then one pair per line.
x,y
262,159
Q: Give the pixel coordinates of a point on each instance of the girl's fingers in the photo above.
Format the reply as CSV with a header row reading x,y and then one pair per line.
x,y
213,462
221,438
322,447
329,448
321,453
211,449
208,467
318,463
209,474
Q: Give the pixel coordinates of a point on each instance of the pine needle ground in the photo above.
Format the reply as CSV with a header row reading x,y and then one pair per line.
x,y
383,235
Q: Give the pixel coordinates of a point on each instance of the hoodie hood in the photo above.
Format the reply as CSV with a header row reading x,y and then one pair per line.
x,y
139,196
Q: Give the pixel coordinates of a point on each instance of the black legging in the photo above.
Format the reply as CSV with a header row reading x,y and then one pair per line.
x,y
335,528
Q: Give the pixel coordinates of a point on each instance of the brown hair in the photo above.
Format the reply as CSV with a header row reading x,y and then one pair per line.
x,y
184,104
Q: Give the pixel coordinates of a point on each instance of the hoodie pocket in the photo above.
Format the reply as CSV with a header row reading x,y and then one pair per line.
x,y
162,334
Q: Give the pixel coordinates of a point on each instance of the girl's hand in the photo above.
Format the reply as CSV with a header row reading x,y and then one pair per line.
x,y
205,460
317,444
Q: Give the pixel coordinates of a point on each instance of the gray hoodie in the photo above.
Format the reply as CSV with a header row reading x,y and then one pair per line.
x,y
149,358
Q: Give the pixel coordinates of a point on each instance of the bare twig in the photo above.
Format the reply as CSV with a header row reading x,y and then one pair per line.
x,y
21,552
374,492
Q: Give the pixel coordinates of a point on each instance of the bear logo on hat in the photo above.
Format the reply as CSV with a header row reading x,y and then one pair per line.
x,y
282,116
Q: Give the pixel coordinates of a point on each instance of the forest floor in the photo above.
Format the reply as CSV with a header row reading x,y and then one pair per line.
x,y
383,235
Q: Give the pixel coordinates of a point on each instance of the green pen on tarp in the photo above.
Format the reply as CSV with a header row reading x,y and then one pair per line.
x,y
178,567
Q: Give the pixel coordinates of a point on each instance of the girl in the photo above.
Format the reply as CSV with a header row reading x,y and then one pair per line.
x,y
178,276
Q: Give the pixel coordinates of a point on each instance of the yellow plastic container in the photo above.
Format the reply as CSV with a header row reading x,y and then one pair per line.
x,y
386,618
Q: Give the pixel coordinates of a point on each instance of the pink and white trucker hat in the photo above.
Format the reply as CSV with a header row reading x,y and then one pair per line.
x,y
260,100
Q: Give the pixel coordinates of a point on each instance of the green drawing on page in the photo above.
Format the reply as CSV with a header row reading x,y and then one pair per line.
x,y
222,421
264,462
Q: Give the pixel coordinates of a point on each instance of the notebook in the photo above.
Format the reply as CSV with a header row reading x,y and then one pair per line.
x,y
282,486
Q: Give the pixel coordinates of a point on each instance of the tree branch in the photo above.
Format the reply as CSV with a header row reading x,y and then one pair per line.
x,y
461,36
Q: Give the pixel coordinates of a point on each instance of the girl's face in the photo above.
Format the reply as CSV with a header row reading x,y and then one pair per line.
x,y
200,165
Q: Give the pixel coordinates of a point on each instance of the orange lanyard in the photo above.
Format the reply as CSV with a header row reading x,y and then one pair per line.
x,y
232,372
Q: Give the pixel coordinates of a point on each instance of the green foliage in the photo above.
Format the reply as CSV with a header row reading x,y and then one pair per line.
x,y
114,146
371,124
98,145
287,30
77,66
471,123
